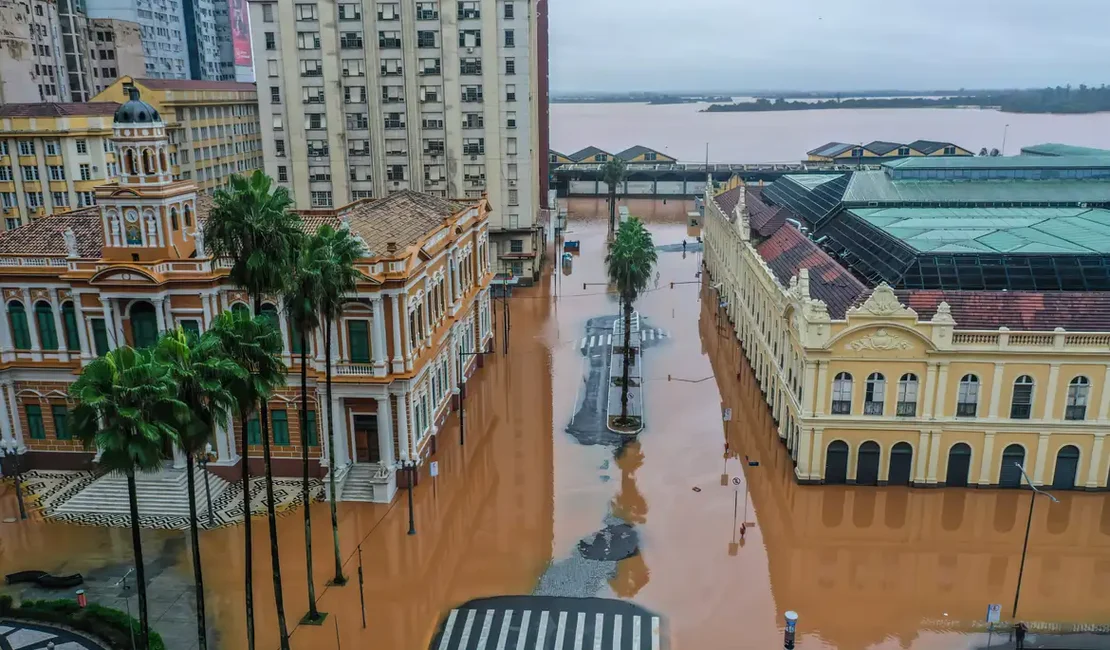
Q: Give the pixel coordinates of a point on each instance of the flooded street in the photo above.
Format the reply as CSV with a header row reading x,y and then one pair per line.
x,y
863,567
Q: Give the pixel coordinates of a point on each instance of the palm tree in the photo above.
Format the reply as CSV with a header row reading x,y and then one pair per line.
x,y
339,251
613,172
630,261
251,224
255,345
203,376
303,305
126,408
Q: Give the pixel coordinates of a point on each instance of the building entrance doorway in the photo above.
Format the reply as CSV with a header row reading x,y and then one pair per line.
x,y
367,448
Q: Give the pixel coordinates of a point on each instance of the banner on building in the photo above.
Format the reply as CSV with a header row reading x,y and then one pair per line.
x,y
240,31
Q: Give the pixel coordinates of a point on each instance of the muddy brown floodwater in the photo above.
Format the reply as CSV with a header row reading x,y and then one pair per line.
x,y
864,567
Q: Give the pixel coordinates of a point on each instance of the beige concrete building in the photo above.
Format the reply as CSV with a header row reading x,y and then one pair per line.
x,y
360,100
115,50
32,59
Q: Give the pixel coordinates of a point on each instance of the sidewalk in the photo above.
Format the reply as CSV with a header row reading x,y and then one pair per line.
x,y
20,635
1064,641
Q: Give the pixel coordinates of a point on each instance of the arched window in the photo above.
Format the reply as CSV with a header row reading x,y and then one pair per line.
x,y
842,394
240,309
1021,405
1078,390
873,394
188,216
129,162
967,400
173,218
44,321
69,322
1013,459
148,162
270,312
1067,465
144,325
162,166
907,395
17,316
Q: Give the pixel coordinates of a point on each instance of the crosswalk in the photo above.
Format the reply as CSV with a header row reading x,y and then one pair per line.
x,y
604,340
485,628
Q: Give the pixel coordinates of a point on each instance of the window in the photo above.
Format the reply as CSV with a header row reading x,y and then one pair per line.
x,y
26,147
469,9
473,121
350,40
431,120
321,199
358,121
470,38
69,323
510,38
17,317
1021,405
509,10
318,147
393,94
85,199
429,66
308,40
271,41
313,95
510,66
5,174
100,336
86,172
275,94
472,93
358,337
395,172
61,199
425,38
51,147
907,395
474,173
272,68
1078,390
82,146
283,174
310,423
396,147
470,65
354,94
433,148
306,12
903,151
312,68
61,428
429,94
474,146
254,431
268,13
510,120
516,245
34,422
350,11
510,92
388,11
34,199
319,174
510,146
967,400
279,420
30,173
389,39
950,151
427,11
191,327
394,121
315,121
391,67
278,123
842,394
279,148
514,197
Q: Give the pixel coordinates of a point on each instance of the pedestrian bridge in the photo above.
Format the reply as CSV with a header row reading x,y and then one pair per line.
x,y
549,623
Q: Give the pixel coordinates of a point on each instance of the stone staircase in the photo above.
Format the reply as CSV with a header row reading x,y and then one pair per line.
x,y
161,494
364,482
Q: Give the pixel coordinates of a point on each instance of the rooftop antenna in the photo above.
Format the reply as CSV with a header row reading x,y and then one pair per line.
x,y
708,176
1005,131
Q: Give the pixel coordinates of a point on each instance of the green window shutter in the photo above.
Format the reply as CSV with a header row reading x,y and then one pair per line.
x,y
254,431
61,426
144,325
295,336
359,341
270,312
44,318
69,320
100,336
34,422
239,309
310,422
192,329
21,336
281,426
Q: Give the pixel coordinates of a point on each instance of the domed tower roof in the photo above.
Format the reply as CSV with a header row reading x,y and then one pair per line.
x,y
136,111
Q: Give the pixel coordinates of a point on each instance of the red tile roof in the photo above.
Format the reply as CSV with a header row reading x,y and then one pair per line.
x,y
44,236
762,218
727,201
788,251
193,84
1039,311
53,109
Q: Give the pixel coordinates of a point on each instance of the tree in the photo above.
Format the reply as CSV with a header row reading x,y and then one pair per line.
x,y
203,376
126,408
630,261
338,252
303,306
255,345
613,172
251,224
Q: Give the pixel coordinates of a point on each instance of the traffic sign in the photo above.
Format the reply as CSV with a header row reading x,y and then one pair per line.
x,y
736,481
994,613
435,468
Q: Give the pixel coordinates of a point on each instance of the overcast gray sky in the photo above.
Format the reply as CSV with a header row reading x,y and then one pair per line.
x,y
622,45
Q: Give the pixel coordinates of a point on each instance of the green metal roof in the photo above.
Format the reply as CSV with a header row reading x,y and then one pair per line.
x,y
812,181
1000,162
995,230
876,186
1056,149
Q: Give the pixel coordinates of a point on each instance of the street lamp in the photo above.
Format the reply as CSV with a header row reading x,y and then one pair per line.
x,y
462,394
1028,525
410,468
12,449
203,460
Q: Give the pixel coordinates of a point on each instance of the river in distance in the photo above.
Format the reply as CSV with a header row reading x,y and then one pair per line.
x,y
682,131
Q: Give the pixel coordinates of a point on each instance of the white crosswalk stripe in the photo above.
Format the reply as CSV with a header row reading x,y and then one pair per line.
x,y
580,631
522,636
599,629
524,629
617,627
541,635
487,624
506,622
561,630
655,633
466,627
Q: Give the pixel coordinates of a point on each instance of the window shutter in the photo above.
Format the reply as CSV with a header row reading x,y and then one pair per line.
x,y
359,341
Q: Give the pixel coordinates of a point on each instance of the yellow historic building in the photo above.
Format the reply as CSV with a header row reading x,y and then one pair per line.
x,y
77,284
883,364
879,151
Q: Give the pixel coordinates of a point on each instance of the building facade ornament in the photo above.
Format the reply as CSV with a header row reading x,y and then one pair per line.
x,y
881,340
882,302
71,242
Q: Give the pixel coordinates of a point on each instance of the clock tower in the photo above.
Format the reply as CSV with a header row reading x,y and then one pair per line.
x,y
146,215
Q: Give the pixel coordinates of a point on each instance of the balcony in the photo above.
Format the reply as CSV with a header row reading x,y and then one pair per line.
x,y
356,369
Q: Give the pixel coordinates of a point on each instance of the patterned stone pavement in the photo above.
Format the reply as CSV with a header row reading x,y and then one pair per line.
x,y
19,635
48,490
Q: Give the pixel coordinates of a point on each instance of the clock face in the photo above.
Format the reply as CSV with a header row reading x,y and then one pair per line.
x,y
132,217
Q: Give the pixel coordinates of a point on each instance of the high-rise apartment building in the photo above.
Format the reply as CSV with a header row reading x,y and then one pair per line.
x,y
32,58
207,60
361,99
115,50
163,32
73,29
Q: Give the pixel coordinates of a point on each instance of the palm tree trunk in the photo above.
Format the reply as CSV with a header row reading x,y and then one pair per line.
x,y
198,578
271,517
248,554
339,578
627,357
140,569
313,615
612,208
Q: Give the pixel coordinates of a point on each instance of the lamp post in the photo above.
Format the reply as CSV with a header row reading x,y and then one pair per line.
x,y
462,394
203,460
1028,525
11,449
410,468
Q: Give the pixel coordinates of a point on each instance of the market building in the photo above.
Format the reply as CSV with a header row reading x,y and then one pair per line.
x,y
938,321
78,284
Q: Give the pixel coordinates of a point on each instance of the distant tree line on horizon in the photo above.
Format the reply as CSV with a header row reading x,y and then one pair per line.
x,y
1061,99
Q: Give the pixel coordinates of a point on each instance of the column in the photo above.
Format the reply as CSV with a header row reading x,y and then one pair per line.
x,y
923,459
56,309
117,321
996,390
1093,468
985,466
16,423
7,348
225,447
318,343
453,363
167,306
377,334
817,466
398,359
1103,407
160,313
342,434
32,326
805,438
323,419
283,325
178,457
5,417
934,458
206,309
403,425
942,389
385,431
82,328
931,388
1050,398
822,386
109,323
1042,456
406,333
